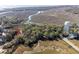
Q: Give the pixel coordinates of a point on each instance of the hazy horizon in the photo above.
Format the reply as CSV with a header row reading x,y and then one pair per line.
x,y
22,3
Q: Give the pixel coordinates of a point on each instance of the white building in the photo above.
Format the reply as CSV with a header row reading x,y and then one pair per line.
x,y
67,25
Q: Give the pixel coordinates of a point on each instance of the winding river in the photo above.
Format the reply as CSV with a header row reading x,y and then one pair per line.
x,y
30,17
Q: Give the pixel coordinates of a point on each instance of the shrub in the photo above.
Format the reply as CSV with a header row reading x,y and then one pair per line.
x,y
20,39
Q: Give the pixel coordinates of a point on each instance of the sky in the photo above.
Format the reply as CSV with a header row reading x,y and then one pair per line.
x,y
13,3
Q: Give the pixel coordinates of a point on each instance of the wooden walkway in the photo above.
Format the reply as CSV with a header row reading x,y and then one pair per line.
x,y
71,44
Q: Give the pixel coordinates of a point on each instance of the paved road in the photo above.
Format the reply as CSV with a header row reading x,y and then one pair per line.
x,y
71,44
1,13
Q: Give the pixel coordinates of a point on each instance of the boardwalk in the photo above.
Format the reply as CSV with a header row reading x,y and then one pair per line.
x,y
71,44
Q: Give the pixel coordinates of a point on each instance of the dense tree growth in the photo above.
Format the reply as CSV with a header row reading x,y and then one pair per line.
x,y
32,33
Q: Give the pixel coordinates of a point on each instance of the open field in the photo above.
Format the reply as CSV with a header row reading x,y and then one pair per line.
x,y
58,16
48,47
